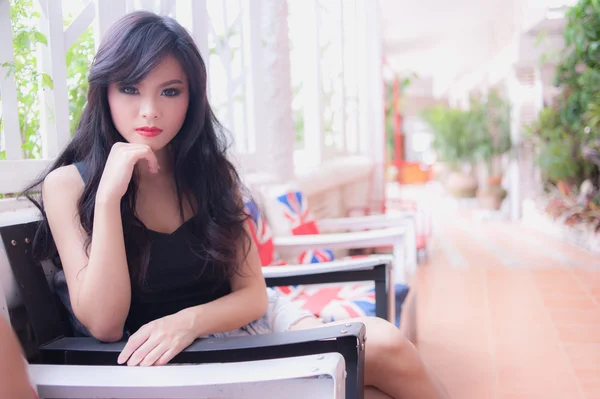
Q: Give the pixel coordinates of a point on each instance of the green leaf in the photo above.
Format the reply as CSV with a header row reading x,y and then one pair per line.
x,y
541,37
10,69
40,38
47,81
592,50
21,41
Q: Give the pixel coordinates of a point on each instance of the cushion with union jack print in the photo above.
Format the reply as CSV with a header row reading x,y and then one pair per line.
x,y
342,301
330,302
260,232
289,215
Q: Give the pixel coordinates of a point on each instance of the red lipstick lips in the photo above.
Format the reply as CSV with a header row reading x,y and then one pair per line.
x,y
148,131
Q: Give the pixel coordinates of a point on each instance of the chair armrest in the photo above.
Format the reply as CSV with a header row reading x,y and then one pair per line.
x,y
365,222
336,266
351,240
347,340
88,351
405,219
372,268
256,379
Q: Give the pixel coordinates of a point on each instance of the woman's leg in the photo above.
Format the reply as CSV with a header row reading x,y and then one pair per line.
x,y
374,393
392,363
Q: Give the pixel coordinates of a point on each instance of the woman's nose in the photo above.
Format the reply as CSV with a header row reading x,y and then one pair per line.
x,y
149,109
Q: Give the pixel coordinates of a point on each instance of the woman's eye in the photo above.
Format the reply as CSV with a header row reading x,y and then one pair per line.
x,y
129,90
170,92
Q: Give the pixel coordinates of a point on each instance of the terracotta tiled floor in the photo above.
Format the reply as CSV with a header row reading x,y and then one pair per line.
x,y
508,312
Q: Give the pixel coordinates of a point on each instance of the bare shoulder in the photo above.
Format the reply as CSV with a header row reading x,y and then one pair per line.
x,y
64,182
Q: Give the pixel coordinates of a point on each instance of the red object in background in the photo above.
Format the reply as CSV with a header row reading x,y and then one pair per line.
x,y
398,139
408,172
414,172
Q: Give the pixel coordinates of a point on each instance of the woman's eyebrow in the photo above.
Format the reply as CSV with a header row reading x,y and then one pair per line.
x,y
171,82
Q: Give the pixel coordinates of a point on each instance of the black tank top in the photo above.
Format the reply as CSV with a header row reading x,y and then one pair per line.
x,y
176,278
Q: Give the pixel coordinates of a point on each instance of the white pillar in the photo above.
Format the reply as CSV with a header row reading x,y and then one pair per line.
x,y
8,88
168,7
149,5
370,77
312,85
54,109
107,13
200,27
254,82
275,144
515,97
362,74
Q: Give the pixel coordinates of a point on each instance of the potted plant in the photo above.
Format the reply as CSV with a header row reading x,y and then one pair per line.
x,y
567,133
454,145
492,119
558,152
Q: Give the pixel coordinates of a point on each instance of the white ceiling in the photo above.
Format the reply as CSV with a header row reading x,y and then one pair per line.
x,y
442,40
422,34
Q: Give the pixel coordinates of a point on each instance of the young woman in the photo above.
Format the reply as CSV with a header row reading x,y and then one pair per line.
x,y
147,216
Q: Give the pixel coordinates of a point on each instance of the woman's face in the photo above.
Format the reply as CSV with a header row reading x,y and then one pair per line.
x,y
152,111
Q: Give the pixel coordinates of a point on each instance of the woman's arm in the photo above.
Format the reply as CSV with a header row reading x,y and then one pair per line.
x,y
99,286
247,302
159,341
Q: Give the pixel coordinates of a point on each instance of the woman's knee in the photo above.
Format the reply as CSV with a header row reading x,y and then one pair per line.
x,y
385,343
383,336
392,361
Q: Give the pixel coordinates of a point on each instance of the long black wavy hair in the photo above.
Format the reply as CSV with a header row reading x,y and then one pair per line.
x,y
204,177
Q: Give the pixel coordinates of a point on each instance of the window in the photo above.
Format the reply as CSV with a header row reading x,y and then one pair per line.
x,y
227,69
325,73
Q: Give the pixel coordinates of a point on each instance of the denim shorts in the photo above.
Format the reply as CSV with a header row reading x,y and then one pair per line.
x,y
281,314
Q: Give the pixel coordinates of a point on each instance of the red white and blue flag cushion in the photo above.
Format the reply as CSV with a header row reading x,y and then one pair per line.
x,y
261,233
330,302
337,301
342,301
294,208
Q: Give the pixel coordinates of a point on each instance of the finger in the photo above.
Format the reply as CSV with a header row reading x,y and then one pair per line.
x,y
147,154
133,343
143,351
168,356
155,354
135,152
